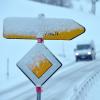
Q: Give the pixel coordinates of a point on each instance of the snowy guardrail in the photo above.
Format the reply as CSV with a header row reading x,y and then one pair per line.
x,y
81,92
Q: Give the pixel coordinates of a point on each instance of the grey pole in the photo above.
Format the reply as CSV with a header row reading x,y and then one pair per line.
x,y
38,96
38,90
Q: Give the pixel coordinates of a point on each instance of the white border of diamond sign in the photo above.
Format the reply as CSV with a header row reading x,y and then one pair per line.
x,y
29,57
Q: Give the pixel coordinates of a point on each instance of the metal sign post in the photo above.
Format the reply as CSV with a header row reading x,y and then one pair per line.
x,y
38,90
40,40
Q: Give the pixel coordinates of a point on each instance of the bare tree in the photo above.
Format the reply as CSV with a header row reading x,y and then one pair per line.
x,y
61,2
65,3
54,2
93,9
68,3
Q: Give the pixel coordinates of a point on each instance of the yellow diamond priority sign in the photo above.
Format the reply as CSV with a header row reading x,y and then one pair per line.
x,y
39,64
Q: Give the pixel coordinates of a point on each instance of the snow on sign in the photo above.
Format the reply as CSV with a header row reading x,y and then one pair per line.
x,y
50,28
39,64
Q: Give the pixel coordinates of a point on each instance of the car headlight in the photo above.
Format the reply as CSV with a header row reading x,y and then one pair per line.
x,y
89,53
77,54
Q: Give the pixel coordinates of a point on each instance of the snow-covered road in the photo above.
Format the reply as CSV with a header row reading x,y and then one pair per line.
x,y
62,83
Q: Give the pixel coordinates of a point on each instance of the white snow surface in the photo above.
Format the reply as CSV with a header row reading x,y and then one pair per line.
x,y
67,80
31,26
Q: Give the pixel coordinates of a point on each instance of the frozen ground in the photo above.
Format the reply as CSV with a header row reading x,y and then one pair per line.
x,y
69,78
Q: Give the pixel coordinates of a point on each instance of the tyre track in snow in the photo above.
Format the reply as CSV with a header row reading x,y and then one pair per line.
x,y
76,78
70,77
21,85
24,84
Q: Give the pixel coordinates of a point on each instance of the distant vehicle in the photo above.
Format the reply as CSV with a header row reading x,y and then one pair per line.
x,y
85,51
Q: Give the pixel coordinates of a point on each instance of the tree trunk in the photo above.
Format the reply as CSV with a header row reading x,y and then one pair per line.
x,y
93,10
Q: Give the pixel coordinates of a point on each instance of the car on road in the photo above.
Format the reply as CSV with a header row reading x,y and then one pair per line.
x,y
85,51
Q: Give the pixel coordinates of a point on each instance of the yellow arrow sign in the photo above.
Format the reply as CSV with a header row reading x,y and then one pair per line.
x,y
65,35
48,28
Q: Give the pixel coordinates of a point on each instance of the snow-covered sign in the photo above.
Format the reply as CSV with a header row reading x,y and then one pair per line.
x,y
39,64
48,28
